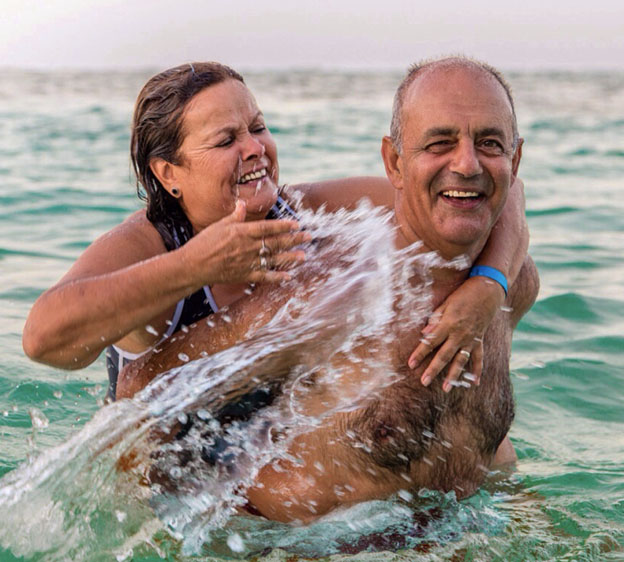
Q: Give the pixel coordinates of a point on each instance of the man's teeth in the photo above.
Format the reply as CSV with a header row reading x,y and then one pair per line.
x,y
253,176
460,194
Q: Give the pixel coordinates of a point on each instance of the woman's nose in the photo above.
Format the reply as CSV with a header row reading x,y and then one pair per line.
x,y
252,147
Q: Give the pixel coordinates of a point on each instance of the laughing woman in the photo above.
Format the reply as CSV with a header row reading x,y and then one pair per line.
x,y
207,167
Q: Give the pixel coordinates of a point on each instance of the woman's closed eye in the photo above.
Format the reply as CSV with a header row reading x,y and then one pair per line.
x,y
225,142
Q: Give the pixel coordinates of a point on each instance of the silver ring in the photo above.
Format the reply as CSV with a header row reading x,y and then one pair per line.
x,y
264,264
264,251
465,353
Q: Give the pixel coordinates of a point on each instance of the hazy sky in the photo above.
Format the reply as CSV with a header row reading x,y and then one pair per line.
x,y
527,34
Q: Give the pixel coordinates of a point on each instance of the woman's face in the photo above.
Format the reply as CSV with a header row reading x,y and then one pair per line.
x,y
227,153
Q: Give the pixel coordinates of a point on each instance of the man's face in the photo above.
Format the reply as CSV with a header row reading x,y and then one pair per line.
x,y
457,161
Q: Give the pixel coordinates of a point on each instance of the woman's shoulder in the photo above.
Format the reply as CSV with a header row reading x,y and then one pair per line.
x,y
137,233
132,241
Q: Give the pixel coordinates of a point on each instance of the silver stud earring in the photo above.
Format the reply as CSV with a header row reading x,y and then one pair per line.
x,y
175,192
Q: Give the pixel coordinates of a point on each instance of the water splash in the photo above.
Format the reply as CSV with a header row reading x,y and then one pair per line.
x,y
66,503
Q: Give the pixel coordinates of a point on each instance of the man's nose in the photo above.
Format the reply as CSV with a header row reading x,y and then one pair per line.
x,y
252,147
465,160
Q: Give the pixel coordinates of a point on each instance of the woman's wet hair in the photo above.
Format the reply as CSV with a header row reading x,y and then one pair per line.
x,y
157,133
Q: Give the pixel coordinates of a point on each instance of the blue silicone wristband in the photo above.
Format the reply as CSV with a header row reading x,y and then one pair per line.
x,y
492,273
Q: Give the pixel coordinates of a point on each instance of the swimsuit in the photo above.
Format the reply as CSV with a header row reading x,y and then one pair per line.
x,y
188,310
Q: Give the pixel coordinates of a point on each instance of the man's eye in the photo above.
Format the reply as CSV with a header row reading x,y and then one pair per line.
x,y
438,146
258,129
492,146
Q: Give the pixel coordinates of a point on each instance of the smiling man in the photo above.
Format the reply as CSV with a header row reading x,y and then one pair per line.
x,y
452,156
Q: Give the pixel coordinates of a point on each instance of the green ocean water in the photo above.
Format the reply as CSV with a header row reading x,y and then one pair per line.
x,y
65,178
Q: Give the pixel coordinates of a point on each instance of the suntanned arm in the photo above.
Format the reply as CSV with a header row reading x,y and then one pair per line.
x,y
522,296
217,332
508,243
345,193
126,280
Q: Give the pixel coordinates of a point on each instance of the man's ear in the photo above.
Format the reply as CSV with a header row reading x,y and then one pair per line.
x,y
393,162
165,173
515,161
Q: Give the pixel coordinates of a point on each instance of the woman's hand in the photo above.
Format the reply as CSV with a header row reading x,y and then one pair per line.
x,y
232,250
455,332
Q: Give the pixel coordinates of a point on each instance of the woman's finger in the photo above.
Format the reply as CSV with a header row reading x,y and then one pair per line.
x,y
428,342
286,260
456,368
268,276
441,359
477,360
267,228
283,241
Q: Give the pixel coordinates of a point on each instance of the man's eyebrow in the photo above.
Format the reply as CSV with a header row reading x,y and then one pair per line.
x,y
440,132
491,132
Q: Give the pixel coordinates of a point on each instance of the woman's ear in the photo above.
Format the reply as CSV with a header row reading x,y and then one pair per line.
x,y
393,162
166,174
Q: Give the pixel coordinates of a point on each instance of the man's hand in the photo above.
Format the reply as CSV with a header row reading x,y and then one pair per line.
x,y
455,332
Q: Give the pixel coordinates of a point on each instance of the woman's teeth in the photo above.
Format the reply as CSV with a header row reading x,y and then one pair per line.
x,y
460,194
252,176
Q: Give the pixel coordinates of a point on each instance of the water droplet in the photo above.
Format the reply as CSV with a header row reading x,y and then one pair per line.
x,y
203,415
93,391
236,543
121,516
38,418
405,495
151,330
183,357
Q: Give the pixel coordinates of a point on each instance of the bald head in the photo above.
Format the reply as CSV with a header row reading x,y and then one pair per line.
x,y
443,65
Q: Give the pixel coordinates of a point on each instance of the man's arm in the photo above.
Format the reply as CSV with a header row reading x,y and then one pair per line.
x,y
522,295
